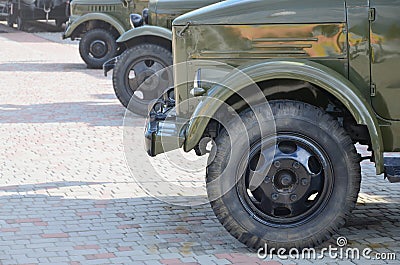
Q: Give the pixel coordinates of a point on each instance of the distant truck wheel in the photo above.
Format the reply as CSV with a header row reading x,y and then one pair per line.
x,y
96,47
20,23
59,23
292,187
10,21
133,77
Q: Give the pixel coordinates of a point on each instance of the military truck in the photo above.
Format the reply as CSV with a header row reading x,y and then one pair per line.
x,y
147,50
328,71
20,11
97,24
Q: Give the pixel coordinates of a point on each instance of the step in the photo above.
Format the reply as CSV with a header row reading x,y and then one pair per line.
x,y
392,169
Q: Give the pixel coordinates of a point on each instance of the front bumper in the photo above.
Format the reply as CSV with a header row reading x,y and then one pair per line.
x,y
67,32
70,27
109,65
164,131
163,135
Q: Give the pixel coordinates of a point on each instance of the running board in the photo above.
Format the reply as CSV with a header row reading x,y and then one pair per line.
x,y
392,169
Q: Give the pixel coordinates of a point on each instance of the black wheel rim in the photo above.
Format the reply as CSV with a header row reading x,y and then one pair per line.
x,y
287,181
146,78
98,49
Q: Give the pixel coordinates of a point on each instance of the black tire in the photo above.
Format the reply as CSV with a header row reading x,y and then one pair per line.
x,y
96,47
144,60
20,23
59,23
254,217
10,21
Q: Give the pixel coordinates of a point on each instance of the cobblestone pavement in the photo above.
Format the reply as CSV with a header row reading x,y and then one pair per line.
x,y
67,196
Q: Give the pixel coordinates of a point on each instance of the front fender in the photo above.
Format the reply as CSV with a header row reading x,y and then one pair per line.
x,y
93,16
145,31
309,71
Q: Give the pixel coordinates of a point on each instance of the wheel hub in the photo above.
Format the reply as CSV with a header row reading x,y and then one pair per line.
x,y
146,77
98,48
284,180
290,185
286,172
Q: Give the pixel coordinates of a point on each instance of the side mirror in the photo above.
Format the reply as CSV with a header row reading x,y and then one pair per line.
x,y
136,20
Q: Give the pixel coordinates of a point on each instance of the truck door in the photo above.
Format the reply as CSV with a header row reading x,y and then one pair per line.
x,y
385,57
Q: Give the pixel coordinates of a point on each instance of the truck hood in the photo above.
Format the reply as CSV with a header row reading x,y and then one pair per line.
x,y
266,11
177,6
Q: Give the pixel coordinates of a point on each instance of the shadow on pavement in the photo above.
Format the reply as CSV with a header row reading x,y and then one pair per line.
x,y
41,67
93,113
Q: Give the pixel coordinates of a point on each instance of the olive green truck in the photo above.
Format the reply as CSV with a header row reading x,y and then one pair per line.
x,y
147,49
97,24
283,168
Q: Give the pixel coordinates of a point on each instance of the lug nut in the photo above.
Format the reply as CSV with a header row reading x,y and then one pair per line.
x,y
304,182
267,179
296,165
293,197
274,196
277,164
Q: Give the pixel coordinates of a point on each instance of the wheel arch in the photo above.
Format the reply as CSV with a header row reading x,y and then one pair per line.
x,y
319,76
93,20
146,34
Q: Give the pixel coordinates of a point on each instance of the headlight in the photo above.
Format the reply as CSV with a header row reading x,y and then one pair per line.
x,y
136,20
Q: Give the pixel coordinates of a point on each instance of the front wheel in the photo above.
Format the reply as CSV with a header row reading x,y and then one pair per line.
x,y
59,22
10,21
96,47
139,78
298,184
20,22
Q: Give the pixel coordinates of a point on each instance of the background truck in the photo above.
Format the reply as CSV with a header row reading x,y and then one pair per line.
x,y
20,11
284,170
97,24
147,49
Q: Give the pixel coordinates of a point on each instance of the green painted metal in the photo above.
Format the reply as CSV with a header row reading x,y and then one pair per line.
x,y
247,12
358,48
161,15
309,71
168,10
390,134
385,58
145,31
238,45
91,17
114,12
